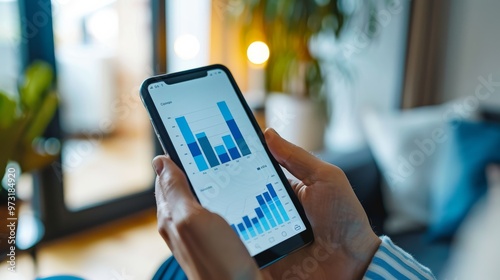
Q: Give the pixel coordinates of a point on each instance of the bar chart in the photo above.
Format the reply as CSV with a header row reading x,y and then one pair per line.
x,y
222,153
232,145
269,214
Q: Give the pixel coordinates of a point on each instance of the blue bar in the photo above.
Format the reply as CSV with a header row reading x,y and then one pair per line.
x,y
256,224
207,149
200,162
242,144
235,130
271,190
225,110
273,208
191,143
277,202
185,130
233,151
262,219
264,207
243,231
194,149
233,127
281,209
249,226
221,152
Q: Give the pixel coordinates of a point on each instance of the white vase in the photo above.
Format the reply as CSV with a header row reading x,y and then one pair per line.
x,y
298,120
344,133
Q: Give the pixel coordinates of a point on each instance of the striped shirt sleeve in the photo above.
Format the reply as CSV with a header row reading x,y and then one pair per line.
x,y
391,262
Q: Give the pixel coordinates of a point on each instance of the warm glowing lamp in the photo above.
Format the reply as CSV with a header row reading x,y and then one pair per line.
x,y
186,46
258,52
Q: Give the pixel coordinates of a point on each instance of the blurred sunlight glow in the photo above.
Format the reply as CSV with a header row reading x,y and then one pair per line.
x,y
186,46
103,25
258,52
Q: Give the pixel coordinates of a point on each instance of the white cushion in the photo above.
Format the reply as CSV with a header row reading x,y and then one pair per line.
x,y
406,145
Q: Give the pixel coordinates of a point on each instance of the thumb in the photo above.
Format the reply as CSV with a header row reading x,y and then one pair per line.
x,y
298,161
172,190
194,234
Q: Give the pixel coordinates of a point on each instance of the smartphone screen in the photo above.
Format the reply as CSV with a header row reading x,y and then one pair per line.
x,y
218,146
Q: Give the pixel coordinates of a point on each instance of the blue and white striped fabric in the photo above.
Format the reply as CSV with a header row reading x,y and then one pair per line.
x,y
391,262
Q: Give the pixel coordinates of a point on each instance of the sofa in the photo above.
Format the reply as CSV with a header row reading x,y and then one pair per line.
x,y
475,136
365,178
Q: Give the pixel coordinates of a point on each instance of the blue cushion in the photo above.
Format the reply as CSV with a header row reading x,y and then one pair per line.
x,y
461,178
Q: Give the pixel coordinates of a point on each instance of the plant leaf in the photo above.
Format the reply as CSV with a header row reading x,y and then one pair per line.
x,y
41,118
37,80
8,108
9,140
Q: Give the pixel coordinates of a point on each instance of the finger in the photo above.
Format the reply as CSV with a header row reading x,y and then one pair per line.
x,y
298,161
174,199
204,236
171,183
296,185
193,233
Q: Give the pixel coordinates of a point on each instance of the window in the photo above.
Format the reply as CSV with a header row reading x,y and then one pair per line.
x,y
9,45
103,52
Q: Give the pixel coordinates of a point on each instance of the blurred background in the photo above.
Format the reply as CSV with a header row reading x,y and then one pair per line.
x,y
403,95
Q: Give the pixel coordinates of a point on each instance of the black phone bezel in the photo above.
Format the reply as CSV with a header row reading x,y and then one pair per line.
x,y
276,252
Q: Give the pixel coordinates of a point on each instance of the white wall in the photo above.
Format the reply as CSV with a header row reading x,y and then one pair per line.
x,y
377,71
472,49
188,17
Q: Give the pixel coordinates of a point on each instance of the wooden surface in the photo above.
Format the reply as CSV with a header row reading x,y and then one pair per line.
x,y
130,248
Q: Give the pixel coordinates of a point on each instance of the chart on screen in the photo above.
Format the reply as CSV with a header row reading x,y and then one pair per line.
x,y
212,136
269,214
226,162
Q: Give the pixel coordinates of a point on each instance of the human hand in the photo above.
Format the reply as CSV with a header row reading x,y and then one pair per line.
x,y
207,248
344,241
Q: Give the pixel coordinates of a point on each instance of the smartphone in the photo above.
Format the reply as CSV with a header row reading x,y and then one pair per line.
x,y
203,122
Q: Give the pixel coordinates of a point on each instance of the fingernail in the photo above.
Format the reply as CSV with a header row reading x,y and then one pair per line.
x,y
157,165
271,134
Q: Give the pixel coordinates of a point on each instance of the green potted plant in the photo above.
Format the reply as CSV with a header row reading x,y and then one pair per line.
x,y
23,119
296,105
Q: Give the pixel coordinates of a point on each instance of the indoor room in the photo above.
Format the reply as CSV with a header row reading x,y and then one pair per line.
x,y
403,96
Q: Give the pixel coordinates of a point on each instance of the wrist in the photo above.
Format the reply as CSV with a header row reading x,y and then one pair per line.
x,y
361,254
